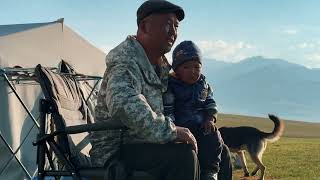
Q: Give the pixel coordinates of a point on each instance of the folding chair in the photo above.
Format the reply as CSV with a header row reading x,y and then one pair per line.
x,y
64,113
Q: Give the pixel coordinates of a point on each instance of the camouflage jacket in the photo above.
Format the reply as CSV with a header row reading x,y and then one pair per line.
x,y
131,95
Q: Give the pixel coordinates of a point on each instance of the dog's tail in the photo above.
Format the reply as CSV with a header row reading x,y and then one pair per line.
x,y
277,130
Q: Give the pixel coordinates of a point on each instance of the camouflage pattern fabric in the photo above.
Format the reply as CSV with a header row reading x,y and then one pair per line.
x,y
131,95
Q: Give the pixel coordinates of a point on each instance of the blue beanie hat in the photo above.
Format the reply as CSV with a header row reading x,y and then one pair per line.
x,y
185,51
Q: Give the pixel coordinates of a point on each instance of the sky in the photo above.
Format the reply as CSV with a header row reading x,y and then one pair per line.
x,y
226,30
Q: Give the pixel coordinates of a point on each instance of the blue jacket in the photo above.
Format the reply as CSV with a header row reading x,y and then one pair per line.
x,y
189,105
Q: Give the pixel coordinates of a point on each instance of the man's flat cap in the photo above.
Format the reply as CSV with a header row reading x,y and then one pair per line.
x,y
158,6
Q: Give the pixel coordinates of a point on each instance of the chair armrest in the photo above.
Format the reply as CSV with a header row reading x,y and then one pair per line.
x,y
80,129
92,127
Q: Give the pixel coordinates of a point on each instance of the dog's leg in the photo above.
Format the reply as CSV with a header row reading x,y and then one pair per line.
x,y
256,150
258,161
243,163
254,172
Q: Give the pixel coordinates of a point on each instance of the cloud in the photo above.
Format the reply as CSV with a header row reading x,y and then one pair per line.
x,y
306,45
226,51
290,31
315,57
313,60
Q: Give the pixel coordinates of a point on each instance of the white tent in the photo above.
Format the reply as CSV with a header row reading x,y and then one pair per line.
x,y
27,45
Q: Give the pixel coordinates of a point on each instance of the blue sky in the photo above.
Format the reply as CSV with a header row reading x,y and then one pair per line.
x,y
228,30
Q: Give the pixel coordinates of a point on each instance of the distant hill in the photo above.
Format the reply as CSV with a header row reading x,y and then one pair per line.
x,y
258,86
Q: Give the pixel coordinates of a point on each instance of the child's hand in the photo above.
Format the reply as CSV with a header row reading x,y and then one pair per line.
x,y
208,127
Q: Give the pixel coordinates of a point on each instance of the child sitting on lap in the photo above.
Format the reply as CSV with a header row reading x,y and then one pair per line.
x,y
189,102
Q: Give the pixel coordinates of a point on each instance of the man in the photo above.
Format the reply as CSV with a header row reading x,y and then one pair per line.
x,y
131,96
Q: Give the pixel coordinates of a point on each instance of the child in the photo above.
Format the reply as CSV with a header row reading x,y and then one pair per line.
x,y
189,102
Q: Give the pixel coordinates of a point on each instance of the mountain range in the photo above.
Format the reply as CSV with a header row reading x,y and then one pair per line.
x,y
257,86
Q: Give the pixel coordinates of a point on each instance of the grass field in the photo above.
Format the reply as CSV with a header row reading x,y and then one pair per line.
x,y
296,156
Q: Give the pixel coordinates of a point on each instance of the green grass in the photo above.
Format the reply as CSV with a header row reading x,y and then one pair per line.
x,y
296,156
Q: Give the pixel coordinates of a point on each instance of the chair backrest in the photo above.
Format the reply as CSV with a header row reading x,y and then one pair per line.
x,y
63,91
70,107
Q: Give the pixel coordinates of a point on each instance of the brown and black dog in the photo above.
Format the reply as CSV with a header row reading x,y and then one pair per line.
x,y
254,141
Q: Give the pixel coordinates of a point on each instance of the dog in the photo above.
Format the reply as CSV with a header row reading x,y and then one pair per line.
x,y
254,141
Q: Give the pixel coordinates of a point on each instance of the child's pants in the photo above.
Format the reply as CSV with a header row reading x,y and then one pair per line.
x,y
210,148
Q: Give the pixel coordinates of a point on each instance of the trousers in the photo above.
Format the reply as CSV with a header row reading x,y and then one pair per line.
x,y
171,161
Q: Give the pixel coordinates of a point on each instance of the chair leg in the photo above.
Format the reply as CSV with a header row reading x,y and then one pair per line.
x,y
41,147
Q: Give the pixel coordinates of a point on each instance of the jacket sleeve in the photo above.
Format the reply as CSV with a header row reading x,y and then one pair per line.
x,y
210,106
168,103
126,102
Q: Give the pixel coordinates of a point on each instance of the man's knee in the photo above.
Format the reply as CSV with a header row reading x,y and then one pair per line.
x,y
183,150
184,155
185,163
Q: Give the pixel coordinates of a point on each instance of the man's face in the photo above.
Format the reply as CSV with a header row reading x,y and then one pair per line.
x,y
163,31
189,72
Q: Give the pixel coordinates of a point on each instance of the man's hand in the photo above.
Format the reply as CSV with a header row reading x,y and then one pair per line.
x,y
208,127
184,135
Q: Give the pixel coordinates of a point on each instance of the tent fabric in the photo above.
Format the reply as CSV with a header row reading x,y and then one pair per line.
x,y
27,45
48,43
10,29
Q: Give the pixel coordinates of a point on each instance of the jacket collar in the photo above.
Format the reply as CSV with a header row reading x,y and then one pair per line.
x,y
147,68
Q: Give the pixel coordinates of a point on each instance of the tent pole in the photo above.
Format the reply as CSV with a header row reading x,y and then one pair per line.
x,y
15,156
3,73
94,87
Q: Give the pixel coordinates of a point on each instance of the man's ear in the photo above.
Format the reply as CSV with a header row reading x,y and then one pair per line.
x,y
144,27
